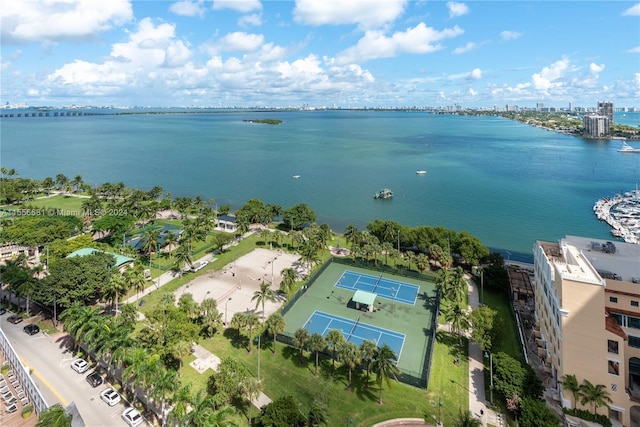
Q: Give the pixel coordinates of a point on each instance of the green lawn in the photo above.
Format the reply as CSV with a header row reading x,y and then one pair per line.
x,y
508,340
68,205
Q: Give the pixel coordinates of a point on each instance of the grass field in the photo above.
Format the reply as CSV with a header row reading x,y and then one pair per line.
x,y
67,205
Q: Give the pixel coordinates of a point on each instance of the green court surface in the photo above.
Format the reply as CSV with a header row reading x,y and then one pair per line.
x,y
417,322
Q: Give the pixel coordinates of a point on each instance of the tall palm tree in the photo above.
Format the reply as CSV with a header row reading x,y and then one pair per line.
x,y
309,254
350,356
457,317
54,416
181,401
29,283
265,293
334,340
181,350
77,183
316,344
319,413
151,239
166,382
116,286
351,234
275,324
384,366
289,277
368,350
202,409
250,389
222,417
251,322
422,262
300,340
183,256
466,419
597,395
410,257
570,383
134,276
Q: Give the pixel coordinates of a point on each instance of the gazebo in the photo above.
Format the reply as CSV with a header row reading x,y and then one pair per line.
x,y
364,300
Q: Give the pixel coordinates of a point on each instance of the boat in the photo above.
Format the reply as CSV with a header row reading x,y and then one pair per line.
x,y
385,193
295,176
626,148
421,172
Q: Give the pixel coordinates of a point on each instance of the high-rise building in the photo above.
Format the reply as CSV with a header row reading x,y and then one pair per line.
x,y
605,108
596,126
587,307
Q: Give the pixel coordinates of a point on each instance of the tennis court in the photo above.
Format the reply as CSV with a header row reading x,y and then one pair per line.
x,y
385,288
354,331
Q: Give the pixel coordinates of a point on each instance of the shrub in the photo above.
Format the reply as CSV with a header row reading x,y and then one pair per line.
x,y
588,416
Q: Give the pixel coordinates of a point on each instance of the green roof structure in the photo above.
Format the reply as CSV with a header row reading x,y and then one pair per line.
x,y
120,259
363,297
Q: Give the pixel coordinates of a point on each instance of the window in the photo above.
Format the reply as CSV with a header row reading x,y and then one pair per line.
x,y
614,367
618,318
633,322
634,341
634,303
612,346
613,299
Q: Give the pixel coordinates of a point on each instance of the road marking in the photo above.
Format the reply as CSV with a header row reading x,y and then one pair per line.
x,y
46,383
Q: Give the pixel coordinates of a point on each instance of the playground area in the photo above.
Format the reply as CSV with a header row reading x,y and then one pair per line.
x,y
400,312
234,285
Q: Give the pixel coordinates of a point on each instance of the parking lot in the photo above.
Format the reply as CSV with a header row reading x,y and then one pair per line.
x,y
50,366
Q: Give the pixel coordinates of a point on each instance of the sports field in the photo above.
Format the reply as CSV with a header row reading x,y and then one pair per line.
x,y
403,318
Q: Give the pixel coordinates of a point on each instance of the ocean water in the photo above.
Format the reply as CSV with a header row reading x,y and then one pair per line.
x,y
507,183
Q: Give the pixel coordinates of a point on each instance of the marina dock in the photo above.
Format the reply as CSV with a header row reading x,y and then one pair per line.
x,y
622,213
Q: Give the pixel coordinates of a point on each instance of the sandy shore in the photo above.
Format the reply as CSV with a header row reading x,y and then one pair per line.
x,y
234,285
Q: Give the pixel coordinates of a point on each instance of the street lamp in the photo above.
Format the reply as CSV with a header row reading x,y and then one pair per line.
x,y
490,356
226,304
482,286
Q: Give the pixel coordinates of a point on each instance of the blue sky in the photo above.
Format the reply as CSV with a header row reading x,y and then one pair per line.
x,y
347,53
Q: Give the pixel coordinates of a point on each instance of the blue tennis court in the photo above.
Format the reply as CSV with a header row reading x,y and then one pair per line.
x,y
354,331
385,288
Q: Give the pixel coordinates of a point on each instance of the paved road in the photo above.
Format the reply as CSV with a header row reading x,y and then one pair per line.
x,y
51,371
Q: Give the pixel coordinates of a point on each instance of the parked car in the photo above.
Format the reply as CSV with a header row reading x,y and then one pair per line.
x,y
132,417
110,397
95,379
80,366
14,318
31,329
2,310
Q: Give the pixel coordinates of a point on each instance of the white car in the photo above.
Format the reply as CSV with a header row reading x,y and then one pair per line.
x,y
132,417
110,397
80,366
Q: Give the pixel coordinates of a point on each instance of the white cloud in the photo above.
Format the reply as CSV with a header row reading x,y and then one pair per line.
x,y
632,11
188,8
242,6
473,92
634,49
240,41
368,14
510,35
457,9
549,76
417,40
246,20
596,68
476,73
466,48
40,21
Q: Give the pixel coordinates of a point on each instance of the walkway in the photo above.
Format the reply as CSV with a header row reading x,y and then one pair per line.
x,y
477,398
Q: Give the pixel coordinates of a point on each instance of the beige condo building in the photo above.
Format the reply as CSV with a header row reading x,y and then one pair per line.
x,y
587,296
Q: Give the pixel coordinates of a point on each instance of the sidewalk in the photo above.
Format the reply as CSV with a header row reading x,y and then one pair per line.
x,y
477,398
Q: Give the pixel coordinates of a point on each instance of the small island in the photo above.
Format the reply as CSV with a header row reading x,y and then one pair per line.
x,y
265,121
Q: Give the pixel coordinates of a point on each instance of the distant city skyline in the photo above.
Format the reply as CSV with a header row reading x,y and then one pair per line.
x,y
365,53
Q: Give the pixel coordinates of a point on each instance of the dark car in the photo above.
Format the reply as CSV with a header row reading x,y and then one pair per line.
x,y
14,319
2,310
31,329
95,379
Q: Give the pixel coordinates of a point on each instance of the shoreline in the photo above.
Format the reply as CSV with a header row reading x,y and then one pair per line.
x,y
622,213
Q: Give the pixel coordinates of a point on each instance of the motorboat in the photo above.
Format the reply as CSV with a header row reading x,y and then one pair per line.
x,y
385,193
626,148
421,172
295,176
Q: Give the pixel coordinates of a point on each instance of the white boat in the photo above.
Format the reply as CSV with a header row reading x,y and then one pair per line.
x,y
421,172
385,193
626,148
295,176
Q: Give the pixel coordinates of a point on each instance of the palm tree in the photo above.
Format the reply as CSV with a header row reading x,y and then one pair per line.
x,y
334,340
466,419
29,283
300,340
570,383
368,350
151,239
165,382
250,389
54,416
594,394
289,277
275,324
181,401
351,356
134,276
316,344
265,293
309,254
221,417
77,183
319,413
202,410
384,366
183,256
422,262
351,234
113,289
457,317
410,257
251,321
181,350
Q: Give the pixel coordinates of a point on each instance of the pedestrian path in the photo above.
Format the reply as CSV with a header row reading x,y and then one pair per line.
x,y
477,398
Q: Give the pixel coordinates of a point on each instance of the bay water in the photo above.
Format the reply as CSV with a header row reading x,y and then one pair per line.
x,y
508,183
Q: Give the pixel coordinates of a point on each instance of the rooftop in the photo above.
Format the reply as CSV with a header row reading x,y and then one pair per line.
x,y
120,259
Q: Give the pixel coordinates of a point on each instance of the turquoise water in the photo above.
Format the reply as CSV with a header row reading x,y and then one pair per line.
x,y
506,182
